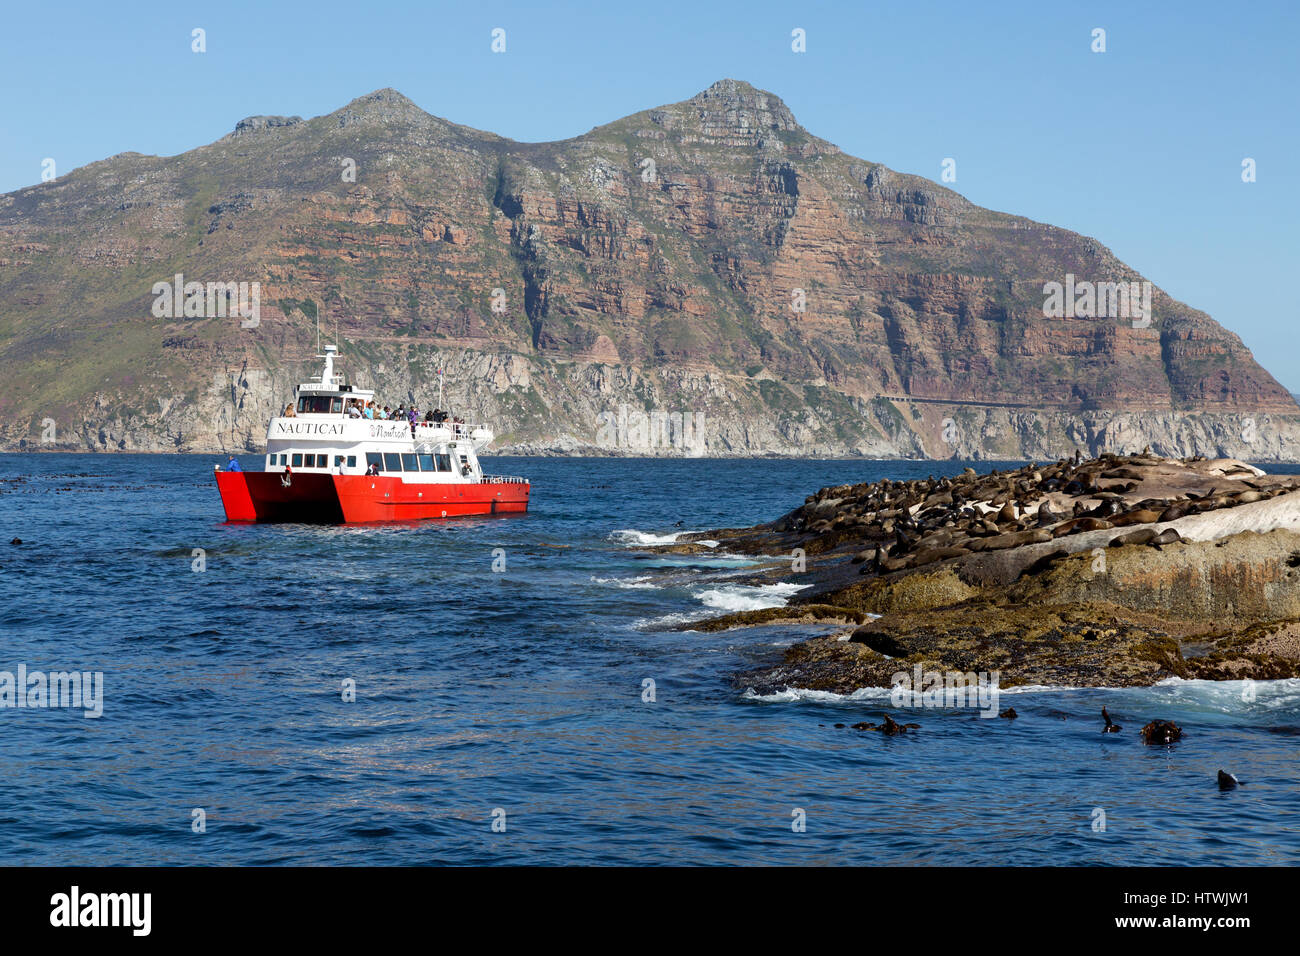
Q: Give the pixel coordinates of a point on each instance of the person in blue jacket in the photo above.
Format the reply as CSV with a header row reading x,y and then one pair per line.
x,y
233,464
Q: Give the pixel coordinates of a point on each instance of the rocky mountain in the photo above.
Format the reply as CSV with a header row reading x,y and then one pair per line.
x,y
701,278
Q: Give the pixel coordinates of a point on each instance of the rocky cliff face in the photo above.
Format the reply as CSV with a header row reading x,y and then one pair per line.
x,y
701,278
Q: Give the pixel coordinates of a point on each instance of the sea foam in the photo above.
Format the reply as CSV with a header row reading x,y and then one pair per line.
x,y
632,536
747,597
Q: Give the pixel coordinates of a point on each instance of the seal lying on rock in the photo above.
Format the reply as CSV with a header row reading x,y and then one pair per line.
x,y
1168,536
1161,732
1141,536
1141,516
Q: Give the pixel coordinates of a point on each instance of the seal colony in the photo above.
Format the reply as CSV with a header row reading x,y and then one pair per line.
x,y
1115,571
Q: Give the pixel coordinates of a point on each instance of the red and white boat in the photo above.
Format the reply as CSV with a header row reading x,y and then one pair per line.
x,y
323,465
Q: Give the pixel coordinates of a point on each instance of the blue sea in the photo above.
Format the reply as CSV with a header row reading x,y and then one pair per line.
x,y
502,713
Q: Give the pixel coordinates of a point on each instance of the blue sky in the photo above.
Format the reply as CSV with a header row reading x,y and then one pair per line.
x,y
1140,146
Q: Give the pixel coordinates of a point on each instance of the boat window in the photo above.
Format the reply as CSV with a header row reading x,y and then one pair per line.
x,y
444,462
336,405
374,458
297,460
408,463
284,459
318,404
352,461
392,462
270,461
426,463
338,460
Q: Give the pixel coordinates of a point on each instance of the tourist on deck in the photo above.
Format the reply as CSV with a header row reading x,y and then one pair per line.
x,y
354,410
370,410
289,412
233,464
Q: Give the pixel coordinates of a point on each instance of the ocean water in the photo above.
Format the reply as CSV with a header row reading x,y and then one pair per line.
x,y
516,696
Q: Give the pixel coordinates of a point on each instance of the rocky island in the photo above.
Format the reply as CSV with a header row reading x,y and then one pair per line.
x,y
1115,571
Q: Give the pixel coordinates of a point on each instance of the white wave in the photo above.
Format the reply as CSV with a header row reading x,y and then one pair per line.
x,y
645,582
791,694
1047,689
721,561
632,536
1226,696
667,621
1232,696
911,699
749,597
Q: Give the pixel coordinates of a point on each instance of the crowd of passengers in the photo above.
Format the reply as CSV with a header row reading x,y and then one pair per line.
x,y
356,408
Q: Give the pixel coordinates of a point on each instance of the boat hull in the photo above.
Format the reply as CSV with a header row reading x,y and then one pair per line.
x,y
355,499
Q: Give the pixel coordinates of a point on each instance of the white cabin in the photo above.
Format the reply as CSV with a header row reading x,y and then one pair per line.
x,y
321,436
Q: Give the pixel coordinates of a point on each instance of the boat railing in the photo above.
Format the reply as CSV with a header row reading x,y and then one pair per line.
x,y
504,480
457,429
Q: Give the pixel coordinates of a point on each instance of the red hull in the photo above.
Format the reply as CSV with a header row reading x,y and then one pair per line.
x,y
338,499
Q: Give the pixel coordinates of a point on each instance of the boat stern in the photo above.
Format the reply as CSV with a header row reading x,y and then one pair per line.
x,y
279,496
235,496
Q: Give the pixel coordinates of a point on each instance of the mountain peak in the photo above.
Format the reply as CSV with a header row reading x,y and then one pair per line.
x,y
737,107
381,106
387,97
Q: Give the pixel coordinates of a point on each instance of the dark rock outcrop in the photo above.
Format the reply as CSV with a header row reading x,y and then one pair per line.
x,y
964,578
